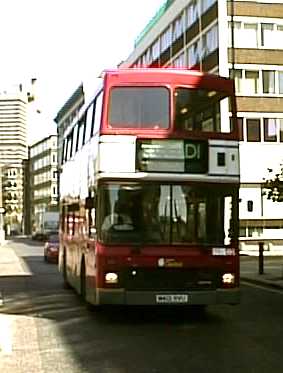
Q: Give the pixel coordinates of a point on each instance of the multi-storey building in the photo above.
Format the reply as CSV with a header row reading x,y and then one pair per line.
x,y
13,150
66,115
243,39
43,168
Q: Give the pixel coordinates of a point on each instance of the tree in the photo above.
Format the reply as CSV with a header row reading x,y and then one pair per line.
x,y
273,186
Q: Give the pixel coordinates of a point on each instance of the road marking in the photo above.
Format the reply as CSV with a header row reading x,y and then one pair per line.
x,y
262,287
5,334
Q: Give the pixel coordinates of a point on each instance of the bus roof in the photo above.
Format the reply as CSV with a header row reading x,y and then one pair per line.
x,y
177,76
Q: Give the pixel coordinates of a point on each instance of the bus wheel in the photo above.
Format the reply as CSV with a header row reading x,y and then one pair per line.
x,y
66,285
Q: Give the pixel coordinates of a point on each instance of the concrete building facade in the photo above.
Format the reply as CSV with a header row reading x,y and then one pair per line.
x,y
66,115
244,40
43,174
13,150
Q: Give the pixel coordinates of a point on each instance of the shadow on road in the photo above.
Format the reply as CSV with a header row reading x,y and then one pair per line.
x,y
120,339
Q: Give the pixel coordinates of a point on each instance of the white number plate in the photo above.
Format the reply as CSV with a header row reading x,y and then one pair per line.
x,y
172,298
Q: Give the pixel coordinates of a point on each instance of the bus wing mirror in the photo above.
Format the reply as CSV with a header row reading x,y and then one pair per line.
x,y
90,202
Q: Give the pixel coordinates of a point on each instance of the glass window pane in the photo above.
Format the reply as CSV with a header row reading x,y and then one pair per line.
x,y
81,133
238,33
197,109
251,82
166,214
97,114
139,107
89,121
249,36
280,81
268,81
253,130
270,130
278,37
134,213
237,76
267,34
281,129
239,122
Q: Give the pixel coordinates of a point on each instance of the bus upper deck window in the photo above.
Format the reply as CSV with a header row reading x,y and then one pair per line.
x,y
139,107
197,109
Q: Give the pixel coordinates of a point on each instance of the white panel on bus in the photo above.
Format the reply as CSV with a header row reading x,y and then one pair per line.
x,y
117,154
223,158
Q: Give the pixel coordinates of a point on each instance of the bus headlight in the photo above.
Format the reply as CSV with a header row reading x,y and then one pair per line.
x,y
111,278
228,279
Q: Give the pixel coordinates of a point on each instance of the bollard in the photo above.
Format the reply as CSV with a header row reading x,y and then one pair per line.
x,y
260,258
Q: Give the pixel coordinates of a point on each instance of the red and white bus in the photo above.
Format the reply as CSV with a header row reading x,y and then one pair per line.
x,y
149,191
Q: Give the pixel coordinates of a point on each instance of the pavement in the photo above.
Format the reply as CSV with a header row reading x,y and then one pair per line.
x,y
272,274
11,265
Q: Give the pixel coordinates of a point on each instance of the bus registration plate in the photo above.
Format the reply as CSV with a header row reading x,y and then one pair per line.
x,y
172,298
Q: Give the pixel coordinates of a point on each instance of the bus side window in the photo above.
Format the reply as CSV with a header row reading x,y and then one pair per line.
x,y
89,122
97,113
91,218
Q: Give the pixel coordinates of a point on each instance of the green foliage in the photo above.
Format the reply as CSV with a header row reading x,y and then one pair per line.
x,y
273,187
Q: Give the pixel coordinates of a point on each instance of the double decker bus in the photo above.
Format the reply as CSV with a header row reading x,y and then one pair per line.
x,y
149,191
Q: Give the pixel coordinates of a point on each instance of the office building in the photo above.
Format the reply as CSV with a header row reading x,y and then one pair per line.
x,y
43,167
13,150
66,115
243,39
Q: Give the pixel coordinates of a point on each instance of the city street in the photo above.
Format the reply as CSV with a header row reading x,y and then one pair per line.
x,y
44,328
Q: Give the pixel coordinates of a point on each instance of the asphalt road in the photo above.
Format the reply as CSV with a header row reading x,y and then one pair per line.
x,y
51,330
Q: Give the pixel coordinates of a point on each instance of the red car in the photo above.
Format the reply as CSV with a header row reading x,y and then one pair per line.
x,y
51,249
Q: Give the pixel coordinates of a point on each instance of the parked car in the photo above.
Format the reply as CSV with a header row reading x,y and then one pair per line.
x,y
51,249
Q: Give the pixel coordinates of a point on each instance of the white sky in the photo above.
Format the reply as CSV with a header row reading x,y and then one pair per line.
x,y
64,42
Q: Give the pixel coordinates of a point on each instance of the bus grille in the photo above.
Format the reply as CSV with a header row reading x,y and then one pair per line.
x,y
170,279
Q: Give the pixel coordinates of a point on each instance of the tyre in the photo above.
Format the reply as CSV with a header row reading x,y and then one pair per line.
x,y
83,281
66,285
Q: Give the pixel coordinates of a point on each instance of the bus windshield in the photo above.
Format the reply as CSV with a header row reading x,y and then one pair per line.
x,y
177,214
139,107
198,109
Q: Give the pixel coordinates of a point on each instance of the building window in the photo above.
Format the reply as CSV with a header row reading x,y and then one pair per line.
x,y
178,28
271,35
280,81
281,129
237,34
240,123
266,34
166,39
253,130
206,4
238,79
268,81
179,61
194,53
249,35
210,41
270,130
192,13
251,82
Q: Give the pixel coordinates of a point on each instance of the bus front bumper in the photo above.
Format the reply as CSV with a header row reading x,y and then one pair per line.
x,y
187,298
